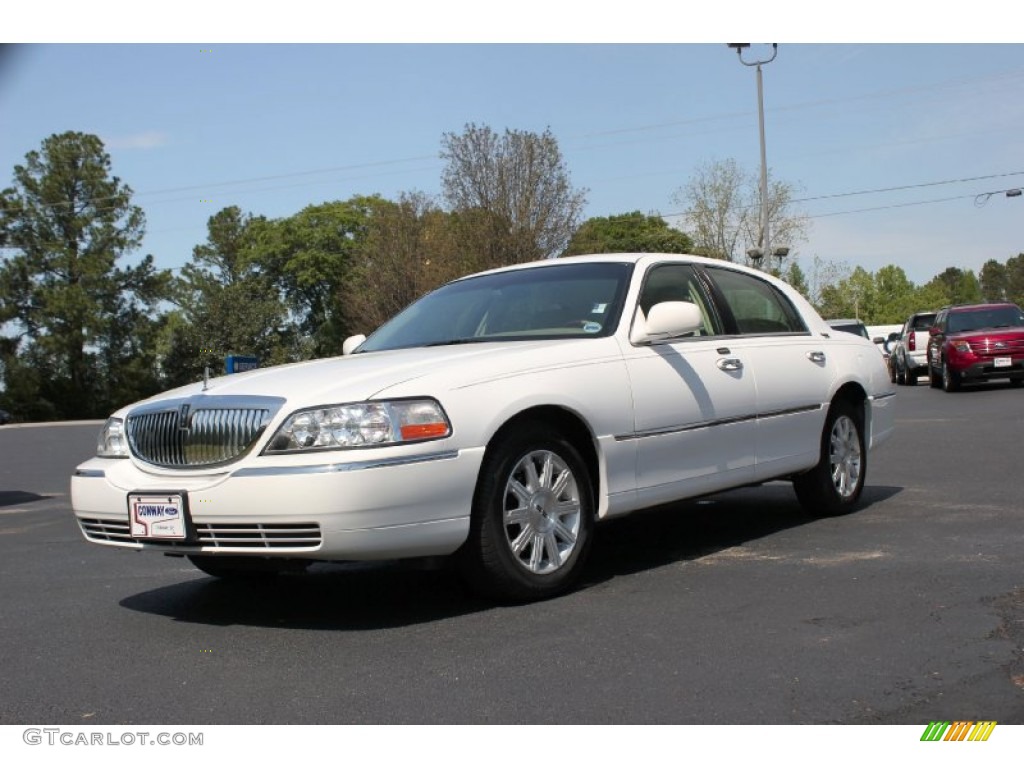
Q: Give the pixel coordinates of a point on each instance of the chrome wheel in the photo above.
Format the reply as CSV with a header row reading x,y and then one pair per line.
x,y
834,484
542,512
533,516
845,457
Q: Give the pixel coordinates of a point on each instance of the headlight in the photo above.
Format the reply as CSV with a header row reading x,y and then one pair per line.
x,y
111,443
962,347
360,425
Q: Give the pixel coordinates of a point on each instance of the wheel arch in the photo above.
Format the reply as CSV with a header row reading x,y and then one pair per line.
x,y
854,394
570,425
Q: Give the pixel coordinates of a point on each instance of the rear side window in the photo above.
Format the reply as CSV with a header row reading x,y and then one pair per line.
x,y
756,306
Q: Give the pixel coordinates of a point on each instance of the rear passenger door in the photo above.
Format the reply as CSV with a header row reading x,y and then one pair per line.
x,y
791,370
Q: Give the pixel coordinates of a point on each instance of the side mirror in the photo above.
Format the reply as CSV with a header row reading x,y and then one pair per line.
x,y
351,343
878,340
667,320
933,331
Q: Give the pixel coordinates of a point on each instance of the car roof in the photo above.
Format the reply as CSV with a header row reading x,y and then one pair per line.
x,y
983,305
624,258
845,321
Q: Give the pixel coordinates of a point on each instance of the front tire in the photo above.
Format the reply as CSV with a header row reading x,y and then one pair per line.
x,y
950,378
533,517
835,484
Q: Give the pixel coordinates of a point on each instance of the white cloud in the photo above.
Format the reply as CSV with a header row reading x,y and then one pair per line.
x,y
144,140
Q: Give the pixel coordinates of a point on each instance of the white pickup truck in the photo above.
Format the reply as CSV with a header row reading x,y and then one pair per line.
x,y
908,355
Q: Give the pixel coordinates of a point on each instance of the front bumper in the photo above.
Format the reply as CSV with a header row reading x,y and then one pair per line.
x,y
986,369
382,507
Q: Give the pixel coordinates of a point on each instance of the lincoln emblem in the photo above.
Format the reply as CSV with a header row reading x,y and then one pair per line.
x,y
183,417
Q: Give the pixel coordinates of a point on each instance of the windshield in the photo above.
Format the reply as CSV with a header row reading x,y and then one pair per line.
x,y
996,317
564,300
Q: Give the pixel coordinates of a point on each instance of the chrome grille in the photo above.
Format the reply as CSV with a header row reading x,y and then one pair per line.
x,y
220,535
998,347
197,432
260,535
105,530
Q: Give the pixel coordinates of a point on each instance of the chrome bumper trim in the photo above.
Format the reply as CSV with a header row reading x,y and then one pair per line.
x,y
352,466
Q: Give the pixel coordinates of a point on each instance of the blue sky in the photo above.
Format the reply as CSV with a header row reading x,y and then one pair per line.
x,y
195,126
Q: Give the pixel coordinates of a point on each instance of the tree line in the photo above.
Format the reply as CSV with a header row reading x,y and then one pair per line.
x,y
81,334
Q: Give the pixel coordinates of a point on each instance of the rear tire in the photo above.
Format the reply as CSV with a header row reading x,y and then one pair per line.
x,y
835,484
901,376
934,378
911,379
533,517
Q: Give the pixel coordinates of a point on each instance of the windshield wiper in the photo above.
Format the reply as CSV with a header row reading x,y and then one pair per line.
x,y
452,342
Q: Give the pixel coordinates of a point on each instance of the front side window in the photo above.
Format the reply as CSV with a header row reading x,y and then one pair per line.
x,y
756,306
564,300
678,282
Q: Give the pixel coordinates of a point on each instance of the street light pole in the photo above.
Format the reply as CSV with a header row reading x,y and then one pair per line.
x,y
766,245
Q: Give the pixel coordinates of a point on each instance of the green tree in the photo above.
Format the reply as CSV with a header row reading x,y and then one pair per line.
x,y
308,258
957,286
628,233
1015,279
895,295
520,179
853,296
796,278
993,279
227,304
72,308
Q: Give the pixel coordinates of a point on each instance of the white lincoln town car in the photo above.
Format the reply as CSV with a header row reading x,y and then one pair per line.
x,y
499,419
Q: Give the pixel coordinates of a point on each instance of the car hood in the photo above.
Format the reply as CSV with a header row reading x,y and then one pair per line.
x,y
363,376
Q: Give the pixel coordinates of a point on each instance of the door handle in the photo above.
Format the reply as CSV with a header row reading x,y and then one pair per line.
x,y
730,364
816,357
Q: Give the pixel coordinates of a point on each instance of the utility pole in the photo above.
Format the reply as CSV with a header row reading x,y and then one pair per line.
x,y
765,244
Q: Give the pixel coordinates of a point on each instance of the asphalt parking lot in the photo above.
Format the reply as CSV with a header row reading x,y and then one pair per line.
x,y
731,610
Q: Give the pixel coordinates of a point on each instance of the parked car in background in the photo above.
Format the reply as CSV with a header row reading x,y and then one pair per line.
x,y
498,419
857,328
850,325
5,417
908,356
976,342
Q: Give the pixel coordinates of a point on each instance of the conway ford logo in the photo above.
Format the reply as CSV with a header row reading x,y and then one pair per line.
x,y
157,510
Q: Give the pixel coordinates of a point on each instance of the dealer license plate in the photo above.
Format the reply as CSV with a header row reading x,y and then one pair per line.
x,y
1003,362
156,516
